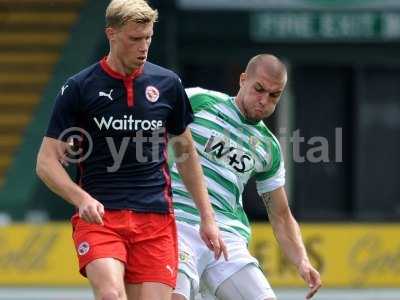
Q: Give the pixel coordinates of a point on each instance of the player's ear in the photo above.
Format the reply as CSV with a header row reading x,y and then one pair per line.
x,y
110,33
242,79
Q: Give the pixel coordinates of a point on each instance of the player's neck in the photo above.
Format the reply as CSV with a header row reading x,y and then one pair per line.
x,y
239,104
115,64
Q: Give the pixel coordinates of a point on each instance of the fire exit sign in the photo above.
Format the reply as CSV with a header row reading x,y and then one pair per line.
x,y
325,25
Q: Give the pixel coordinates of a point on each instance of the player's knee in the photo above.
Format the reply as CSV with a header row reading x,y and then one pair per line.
x,y
111,293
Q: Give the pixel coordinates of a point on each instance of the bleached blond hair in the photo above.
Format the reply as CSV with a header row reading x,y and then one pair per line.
x,y
120,12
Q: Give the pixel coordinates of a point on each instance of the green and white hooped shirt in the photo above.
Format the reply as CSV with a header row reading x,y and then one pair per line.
x,y
231,150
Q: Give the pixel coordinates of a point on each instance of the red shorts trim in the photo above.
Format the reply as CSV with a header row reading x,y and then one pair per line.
x,y
145,242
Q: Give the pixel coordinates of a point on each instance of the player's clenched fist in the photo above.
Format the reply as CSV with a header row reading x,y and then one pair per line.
x,y
91,210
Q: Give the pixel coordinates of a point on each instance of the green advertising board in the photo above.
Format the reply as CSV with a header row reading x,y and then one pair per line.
x,y
287,4
325,26
312,20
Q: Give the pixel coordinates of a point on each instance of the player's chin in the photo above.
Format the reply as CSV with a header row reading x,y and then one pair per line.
x,y
259,115
263,115
137,64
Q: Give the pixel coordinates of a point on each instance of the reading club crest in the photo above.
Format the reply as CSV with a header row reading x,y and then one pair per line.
x,y
152,93
83,248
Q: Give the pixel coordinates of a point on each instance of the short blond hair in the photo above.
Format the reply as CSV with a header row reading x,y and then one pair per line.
x,y
120,12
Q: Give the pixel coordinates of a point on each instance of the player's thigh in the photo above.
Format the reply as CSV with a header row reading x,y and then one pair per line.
x,y
133,291
93,241
220,270
149,291
247,283
194,256
153,252
106,276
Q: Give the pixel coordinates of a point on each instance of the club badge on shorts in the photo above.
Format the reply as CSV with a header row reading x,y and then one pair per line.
x,y
152,93
83,248
184,256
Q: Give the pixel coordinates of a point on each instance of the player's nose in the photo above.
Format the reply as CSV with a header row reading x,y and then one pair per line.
x,y
143,46
265,99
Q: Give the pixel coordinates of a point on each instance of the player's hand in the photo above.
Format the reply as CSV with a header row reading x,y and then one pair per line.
x,y
311,277
91,210
211,236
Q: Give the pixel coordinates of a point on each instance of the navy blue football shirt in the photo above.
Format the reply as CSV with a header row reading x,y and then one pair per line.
x,y
127,119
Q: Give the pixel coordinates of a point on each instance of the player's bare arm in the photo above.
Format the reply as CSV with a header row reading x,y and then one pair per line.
x,y
49,168
192,176
288,235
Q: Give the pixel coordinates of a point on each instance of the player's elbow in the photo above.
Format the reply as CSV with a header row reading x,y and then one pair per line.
x,y
47,155
40,167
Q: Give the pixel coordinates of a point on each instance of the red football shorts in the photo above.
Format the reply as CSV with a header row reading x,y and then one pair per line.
x,y
145,242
